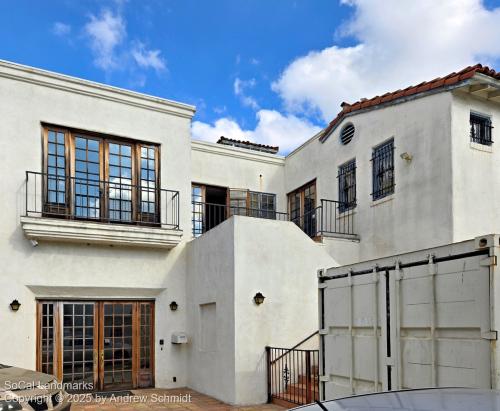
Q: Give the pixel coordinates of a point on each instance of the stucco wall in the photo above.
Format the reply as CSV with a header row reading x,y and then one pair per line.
x,y
419,214
210,279
27,101
476,172
228,266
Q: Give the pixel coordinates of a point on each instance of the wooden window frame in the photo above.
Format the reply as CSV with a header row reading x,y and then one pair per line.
x,y
301,191
68,211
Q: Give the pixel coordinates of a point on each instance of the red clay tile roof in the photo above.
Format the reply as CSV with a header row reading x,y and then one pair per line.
x,y
450,79
248,144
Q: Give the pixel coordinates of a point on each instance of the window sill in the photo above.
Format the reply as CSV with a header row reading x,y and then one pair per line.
x,y
382,200
481,147
53,229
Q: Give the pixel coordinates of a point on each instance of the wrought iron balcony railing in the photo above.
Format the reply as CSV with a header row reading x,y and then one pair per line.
x,y
87,199
206,216
326,219
331,217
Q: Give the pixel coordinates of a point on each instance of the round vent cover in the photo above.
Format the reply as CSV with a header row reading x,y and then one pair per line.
x,y
347,134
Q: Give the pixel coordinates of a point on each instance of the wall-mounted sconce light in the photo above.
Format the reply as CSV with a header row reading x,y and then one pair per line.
x,y
258,298
15,305
173,306
406,156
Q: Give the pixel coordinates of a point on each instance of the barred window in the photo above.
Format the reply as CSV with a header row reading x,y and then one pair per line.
x,y
480,129
347,186
383,170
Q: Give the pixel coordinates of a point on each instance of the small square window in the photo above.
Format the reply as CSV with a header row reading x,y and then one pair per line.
x,y
480,129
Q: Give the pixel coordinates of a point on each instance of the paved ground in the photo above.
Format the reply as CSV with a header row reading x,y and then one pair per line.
x,y
182,399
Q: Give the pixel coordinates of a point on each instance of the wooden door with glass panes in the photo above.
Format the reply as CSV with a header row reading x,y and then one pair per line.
x,y
97,345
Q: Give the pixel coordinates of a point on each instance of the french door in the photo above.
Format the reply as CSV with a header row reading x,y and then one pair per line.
x,y
97,345
302,207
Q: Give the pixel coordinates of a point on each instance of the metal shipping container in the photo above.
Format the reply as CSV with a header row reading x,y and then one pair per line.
x,y
421,319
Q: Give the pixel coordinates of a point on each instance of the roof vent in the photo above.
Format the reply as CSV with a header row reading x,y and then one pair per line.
x,y
347,134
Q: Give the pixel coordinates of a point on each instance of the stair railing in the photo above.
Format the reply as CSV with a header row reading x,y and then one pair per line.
x,y
293,373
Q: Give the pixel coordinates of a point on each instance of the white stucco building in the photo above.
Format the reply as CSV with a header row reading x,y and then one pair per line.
x,y
119,234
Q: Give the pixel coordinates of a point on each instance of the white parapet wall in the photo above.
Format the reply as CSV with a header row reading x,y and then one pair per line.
x,y
227,267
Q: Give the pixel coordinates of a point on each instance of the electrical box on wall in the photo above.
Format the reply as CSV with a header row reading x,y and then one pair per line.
x,y
179,338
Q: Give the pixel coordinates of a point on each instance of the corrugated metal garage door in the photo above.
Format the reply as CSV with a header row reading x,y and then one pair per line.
x,y
412,321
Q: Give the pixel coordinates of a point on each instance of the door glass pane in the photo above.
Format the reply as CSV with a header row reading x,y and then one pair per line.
x,y
145,341
120,182
309,210
197,211
78,344
117,344
294,199
87,173
47,338
148,186
56,168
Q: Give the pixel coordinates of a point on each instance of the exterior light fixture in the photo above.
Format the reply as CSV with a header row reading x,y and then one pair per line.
x,y
406,156
14,305
173,306
258,298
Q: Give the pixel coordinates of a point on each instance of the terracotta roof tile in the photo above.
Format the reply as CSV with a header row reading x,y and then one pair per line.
x,y
248,144
450,79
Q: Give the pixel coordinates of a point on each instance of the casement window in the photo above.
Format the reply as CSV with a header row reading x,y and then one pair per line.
x,y
302,207
383,170
95,177
480,129
262,205
347,186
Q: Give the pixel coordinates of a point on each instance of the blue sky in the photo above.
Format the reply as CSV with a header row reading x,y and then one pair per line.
x,y
273,71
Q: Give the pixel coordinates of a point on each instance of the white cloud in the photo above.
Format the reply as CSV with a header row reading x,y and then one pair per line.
x,y
254,61
61,29
397,43
148,58
240,86
273,128
105,32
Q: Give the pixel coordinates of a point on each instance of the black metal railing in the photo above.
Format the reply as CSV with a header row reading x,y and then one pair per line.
x,y
326,219
293,374
331,217
206,216
115,201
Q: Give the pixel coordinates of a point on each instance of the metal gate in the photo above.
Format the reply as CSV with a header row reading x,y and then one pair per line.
x,y
416,320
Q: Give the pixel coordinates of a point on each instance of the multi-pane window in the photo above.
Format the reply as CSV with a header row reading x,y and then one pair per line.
x,y
480,129
90,176
383,170
238,201
262,205
347,186
56,170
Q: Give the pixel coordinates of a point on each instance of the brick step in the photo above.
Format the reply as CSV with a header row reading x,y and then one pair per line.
x,y
303,379
301,389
